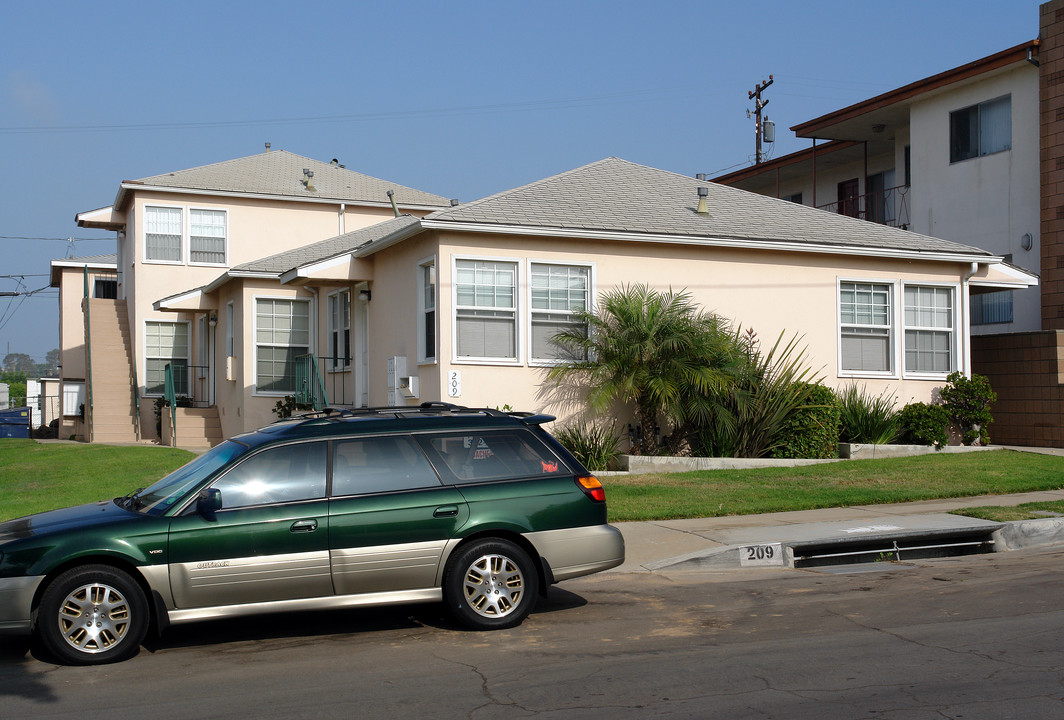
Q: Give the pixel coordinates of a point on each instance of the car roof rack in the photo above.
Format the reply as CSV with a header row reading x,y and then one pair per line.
x,y
331,414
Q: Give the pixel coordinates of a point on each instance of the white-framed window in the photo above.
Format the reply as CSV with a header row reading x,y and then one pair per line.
x,y
339,330
558,292
165,343
426,331
163,231
207,237
282,334
981,129
866,327
929,319
485,310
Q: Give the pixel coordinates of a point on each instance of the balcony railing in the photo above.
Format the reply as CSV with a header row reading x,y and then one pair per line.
x,y
886,207
191,383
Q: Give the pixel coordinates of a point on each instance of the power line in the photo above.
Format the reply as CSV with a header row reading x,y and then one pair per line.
x,y
549,103
58,239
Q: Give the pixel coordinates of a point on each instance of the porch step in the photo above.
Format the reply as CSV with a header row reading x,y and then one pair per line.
x,y
196,427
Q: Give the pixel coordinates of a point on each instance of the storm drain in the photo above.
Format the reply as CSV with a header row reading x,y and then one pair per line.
x,y
892,549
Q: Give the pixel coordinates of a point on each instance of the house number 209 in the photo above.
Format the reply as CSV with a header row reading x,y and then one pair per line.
x,y
770,555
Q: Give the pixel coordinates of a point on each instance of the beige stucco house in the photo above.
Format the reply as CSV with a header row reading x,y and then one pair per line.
x,y
459,304
181,230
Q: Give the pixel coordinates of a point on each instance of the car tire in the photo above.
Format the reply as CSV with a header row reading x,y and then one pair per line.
x,y
490,585
91,615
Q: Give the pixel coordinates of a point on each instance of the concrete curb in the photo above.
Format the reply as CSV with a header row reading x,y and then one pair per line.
x,y
1008,536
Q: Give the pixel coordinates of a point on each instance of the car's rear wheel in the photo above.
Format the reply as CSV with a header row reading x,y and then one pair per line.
x,y
91,615
490,585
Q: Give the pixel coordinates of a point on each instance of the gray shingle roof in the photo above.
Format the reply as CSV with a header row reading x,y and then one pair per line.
x,y
280,173
326,249
615,195
105,259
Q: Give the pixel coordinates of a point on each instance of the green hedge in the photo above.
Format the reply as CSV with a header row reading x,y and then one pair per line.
x,y
813,430
925,424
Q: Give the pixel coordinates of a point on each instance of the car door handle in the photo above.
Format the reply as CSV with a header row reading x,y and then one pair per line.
x,y
304,526
446,511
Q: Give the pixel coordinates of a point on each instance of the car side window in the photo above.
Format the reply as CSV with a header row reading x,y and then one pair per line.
x,y
283,474
380,464
487,456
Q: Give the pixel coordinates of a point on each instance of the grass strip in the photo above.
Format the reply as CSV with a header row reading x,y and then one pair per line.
x,y
714,493
35,477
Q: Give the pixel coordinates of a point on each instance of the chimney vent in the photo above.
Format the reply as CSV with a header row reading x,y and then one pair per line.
x,y
703,205
454,202
267,147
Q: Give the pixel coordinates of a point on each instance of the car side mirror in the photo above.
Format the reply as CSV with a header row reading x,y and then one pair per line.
x,y
209,502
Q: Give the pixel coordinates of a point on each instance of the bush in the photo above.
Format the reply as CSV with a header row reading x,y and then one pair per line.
x,y
925,424
867,418
593,445
968,402
812,431
288,406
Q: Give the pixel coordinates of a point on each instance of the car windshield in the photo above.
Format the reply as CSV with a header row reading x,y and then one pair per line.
x,y
161,496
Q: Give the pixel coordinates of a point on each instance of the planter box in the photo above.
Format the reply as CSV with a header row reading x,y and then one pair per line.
x,y
868,451
664,463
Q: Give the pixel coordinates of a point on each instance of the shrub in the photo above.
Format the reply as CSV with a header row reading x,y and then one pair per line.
x,y
593,445
867,418
288,406
925,424
968,402
811,431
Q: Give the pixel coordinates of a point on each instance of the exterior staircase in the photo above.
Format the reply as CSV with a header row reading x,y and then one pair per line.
x,y
196,427
111,416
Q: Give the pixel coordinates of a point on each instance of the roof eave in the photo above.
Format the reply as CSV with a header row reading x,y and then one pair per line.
x,y
715,241
128,187
998,60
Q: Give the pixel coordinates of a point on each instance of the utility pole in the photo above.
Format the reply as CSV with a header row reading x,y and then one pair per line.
x,y
755,95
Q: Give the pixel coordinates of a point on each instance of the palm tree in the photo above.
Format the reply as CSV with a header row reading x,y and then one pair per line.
x,y
654,349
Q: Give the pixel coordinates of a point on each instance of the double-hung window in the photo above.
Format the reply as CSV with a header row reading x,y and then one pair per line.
x,y
206,243
486,309
340,330
163,231
929,329
980,129
865,327
282,334
165,343
427,314
559,293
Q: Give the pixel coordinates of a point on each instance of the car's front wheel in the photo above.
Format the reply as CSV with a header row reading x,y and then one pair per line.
x,y
490,585
91,615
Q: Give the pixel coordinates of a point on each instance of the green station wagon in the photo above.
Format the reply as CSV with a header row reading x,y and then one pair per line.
x,y
481,509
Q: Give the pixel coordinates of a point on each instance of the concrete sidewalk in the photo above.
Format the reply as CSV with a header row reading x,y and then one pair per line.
x,y
713,543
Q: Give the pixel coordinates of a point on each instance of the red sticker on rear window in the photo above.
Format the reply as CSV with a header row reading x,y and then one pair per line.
x,y
549,467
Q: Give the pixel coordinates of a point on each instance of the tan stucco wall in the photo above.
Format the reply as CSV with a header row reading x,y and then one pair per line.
x,y
770,293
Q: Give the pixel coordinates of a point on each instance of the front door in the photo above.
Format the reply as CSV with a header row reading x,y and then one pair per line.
x,y
849,200
268,542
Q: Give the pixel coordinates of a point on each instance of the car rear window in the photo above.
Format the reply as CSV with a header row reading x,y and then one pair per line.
x,y
499,455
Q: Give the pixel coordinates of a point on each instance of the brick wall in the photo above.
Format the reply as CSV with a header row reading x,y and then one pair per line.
x,y
1026,371
1051,114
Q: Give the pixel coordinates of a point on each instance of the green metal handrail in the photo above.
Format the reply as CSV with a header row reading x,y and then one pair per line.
x,y
88,356
310,388
171,400
136,401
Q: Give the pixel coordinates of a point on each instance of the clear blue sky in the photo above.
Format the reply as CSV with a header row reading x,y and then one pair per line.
x,y
463,99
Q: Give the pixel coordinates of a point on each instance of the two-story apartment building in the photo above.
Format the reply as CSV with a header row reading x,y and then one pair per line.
x,y
954,156
975,152
185,229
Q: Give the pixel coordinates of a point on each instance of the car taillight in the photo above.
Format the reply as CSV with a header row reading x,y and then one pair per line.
x,y
592,487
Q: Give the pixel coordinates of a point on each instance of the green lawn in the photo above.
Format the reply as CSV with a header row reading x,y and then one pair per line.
x,y
36,477
1007,513
855,482
43,476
